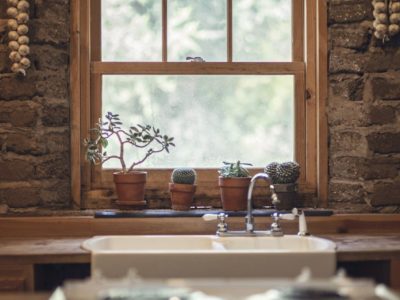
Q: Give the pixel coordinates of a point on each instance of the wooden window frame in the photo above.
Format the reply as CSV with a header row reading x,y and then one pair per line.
x,y
90,184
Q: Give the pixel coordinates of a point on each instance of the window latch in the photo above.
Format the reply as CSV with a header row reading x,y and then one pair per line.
x,y
195,59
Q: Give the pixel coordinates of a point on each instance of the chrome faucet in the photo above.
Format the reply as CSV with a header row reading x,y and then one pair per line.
x,y
275,200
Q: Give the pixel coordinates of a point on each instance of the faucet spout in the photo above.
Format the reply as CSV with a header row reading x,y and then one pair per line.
x,y
249,216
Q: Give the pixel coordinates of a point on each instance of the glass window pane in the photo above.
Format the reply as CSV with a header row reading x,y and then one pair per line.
x,y
262,30
213,118
131,30
197,28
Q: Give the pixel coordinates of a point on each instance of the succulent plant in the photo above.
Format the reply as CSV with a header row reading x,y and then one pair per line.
x,y
287,172
183,176
234,170
140,136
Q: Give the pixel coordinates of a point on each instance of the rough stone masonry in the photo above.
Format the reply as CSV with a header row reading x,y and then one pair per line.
x,y
34,114
363,113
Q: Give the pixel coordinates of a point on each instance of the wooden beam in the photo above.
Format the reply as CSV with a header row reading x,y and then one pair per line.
x,y
310,90
192,68
322,100
75,110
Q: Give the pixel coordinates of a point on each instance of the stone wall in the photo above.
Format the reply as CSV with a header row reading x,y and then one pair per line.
x,y
34,114
363,112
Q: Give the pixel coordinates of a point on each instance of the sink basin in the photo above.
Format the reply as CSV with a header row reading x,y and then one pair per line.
x,y
202,256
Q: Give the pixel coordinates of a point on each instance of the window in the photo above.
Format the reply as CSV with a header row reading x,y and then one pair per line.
x,y
253,98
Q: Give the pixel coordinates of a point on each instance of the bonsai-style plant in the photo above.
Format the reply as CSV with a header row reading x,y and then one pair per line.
x,y
182,188
234,182
284,177
130,184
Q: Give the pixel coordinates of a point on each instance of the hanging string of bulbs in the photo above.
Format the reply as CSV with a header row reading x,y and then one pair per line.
x,y
387,19
18,12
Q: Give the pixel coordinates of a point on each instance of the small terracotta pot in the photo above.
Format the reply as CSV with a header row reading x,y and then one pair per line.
x,y
181,195
287,195
234,192
130,188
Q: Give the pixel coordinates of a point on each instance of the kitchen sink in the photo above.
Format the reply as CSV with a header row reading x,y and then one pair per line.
x,y
191,256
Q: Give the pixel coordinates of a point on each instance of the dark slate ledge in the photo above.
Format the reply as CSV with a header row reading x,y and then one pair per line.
x,y
166,213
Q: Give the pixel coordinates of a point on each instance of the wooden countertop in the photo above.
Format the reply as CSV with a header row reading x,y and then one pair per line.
x,y
67,250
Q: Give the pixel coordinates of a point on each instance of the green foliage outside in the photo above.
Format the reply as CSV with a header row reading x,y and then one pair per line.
x,y
213,118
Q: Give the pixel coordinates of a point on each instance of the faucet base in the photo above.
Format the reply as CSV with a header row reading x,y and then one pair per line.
x,y
249,233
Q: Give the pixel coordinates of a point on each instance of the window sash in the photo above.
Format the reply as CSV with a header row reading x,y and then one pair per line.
x,y
87,70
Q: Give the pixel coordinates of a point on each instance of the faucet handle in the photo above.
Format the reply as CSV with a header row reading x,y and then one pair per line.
x,y
222,226
209,217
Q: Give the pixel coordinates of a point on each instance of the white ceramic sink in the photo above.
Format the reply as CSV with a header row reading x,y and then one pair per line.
x,y
191,256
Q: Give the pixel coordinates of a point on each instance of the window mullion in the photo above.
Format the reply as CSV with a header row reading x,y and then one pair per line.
x,y
164,30
229,15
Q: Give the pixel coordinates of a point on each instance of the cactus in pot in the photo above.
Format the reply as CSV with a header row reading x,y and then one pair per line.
x,y
234,182
284,176
182,188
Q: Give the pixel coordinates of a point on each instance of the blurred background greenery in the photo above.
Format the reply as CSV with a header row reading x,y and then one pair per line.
x,y
213,118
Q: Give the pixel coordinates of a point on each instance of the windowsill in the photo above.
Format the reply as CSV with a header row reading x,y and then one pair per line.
x,y
161,213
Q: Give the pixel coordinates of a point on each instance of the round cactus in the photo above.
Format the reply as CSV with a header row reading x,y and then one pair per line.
x,y
287,172
183,176
270,169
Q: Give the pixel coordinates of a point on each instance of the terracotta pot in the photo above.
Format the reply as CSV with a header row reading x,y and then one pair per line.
x,y
287,195
181,195
130,188
234,192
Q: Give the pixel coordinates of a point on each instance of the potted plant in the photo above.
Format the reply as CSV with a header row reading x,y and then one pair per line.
x,y
284,177
182,188
234,182
129,184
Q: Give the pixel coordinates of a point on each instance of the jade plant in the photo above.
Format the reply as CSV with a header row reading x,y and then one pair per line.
x,y
139,136
229,170
183,176
284,173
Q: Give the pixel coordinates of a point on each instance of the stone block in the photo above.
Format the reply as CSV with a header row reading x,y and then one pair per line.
x,y
51,84
16,170
386,86
15,87
53,166
384,143
381,168
49,31
5,63
385,193
53,10
46,57
343,60
346,113
348,143
24,143
21,198
346,192
57,195
380,115
18,113
58,142
353,37
347,167
347,86
349,11
361,168
55,115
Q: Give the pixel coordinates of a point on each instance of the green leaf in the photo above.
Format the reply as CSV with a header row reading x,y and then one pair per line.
x,y
104,142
